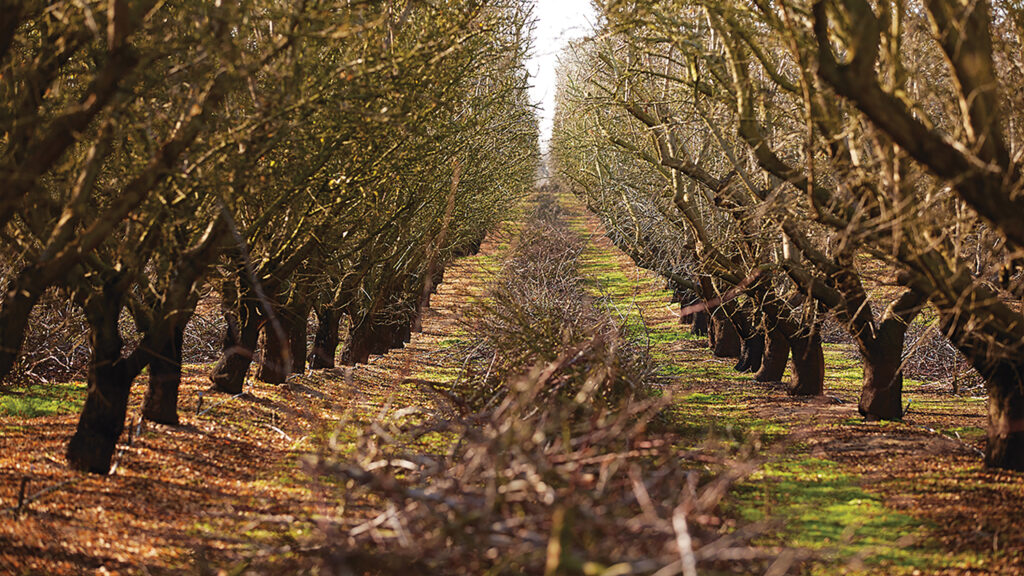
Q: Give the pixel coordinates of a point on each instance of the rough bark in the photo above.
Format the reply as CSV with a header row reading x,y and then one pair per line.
x,y
1005,447
372,336
325,343
161,401
366,337
402,334
808,365
23,294
109,376
881,397
276,363
297,339
701,323
752,351
240,339
723,338
776,356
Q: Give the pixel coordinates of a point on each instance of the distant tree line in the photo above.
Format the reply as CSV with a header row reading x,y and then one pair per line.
x,y
786,161
299,157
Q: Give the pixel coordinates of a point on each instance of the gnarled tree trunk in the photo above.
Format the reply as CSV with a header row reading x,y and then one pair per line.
x,y
110,377
722,337
161,401
240,339
297,338
701,323
881,397
1005,446
751,353
808,365
277,362
776,356
325,342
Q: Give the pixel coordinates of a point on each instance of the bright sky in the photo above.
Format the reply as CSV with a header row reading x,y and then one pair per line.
x,y
558,22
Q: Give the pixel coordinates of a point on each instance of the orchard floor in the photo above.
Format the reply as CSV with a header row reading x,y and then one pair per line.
x,y
226,489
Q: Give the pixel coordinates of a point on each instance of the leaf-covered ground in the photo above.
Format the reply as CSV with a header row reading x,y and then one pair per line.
x,y
880,498
225,490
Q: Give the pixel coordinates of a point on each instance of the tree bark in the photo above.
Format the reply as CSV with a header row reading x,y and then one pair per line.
x,y
277,363
1005,447
401,334
161,402
240,340
701,322
325,343
808,365
109,376
297,338
364,338
372,337
751,353
776,356
723,338
23,293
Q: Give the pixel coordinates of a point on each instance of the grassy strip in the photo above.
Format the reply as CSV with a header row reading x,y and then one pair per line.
x,y
818,503
49,399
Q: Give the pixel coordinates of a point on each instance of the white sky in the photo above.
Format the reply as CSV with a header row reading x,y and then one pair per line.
x,y
558,22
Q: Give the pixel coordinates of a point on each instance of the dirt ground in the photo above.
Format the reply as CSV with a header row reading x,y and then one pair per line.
x,y
227,485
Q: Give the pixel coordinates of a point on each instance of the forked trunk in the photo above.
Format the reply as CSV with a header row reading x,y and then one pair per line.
x,y
325,343
161,402
808,365
776,356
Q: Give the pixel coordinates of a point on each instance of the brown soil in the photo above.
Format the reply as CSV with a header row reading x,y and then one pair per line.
x,y
206,493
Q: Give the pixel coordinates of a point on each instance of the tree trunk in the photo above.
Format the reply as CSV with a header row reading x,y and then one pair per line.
x,y
1005,447
808,365
161,402
22,296
101,422
325,343
370,337
297,338
881,396
365,338
402,334
701,322
240,340
751,353
776,356
277,363
723,338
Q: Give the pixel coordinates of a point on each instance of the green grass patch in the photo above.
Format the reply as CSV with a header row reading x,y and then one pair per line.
x,y
44,400
821,507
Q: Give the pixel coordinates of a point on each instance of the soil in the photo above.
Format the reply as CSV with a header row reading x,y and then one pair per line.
x,y
227,484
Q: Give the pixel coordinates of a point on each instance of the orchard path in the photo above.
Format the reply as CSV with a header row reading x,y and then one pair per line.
x,y
225,486
226,489
878,498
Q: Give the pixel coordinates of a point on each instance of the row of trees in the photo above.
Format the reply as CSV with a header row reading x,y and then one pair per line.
x,y
298,157
785,161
